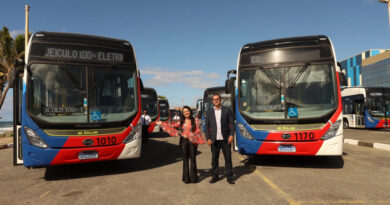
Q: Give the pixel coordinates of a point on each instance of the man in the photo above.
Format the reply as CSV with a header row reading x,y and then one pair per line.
x,y
176,117
145,120
219,130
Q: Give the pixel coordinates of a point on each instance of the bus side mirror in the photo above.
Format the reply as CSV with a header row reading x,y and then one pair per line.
x,y
230,81
227,86
18,68
343,79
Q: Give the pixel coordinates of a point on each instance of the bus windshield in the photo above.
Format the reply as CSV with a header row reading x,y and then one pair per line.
x,y
149,103
81,94
288,92
378,103
164,110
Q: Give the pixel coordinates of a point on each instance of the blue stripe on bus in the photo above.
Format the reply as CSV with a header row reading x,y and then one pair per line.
x,y
34,156
370,123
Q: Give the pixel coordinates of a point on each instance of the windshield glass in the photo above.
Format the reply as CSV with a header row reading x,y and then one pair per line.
x,y
378,104
58,93
164,110
304,91
149,103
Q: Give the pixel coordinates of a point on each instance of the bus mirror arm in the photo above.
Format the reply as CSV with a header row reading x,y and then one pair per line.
x,y
141,84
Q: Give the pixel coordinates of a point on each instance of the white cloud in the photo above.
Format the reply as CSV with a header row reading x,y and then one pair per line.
x,y
14,33
192,78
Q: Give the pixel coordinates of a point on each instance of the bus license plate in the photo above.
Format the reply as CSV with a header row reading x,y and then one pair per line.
x,y
286,149
88,155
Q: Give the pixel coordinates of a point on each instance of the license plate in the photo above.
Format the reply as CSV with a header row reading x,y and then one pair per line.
x,y
88,155
286,149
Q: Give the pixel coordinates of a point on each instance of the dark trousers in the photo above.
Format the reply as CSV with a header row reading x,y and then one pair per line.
x,y
226,150
145,133
190,173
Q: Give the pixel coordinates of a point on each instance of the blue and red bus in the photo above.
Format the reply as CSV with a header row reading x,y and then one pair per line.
x,y
366,107
287,98
150,103
76,99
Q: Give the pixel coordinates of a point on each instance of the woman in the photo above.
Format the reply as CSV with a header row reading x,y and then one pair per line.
x,y
188,128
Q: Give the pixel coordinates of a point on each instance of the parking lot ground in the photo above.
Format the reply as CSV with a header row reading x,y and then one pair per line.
x,y
360,176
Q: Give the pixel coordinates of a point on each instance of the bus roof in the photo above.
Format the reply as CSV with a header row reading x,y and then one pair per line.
x,y
287,42
58,37
70,47
215,89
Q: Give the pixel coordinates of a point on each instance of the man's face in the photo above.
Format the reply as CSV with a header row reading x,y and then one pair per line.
x,y
145,112
216,100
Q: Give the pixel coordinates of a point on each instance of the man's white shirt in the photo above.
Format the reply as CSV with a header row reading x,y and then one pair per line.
x,y
218,120
145,120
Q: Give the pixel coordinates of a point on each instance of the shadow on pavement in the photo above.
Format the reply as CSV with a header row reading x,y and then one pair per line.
x,y
322,162
238,172
158,135
154,154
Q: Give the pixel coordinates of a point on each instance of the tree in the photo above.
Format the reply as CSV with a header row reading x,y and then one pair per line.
x,y
10,49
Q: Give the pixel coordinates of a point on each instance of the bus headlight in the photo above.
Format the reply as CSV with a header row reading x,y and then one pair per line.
x,y
34,138
244,132
134,134
332,130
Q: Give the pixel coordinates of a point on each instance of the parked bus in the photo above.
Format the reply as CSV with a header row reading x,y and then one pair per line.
x,y
199,106
164,110
76,100
207,104
150,103
366,107
287,98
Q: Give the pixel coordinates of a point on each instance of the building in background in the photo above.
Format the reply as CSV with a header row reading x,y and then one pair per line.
x,y
376,70
353,67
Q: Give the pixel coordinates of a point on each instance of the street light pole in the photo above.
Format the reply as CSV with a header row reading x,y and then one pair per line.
x,y
388,7
27,9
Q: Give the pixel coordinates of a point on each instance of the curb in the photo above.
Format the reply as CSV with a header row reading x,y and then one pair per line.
x,y
374,145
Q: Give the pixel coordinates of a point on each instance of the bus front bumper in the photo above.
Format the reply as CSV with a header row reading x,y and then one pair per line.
x,y
37,157
330,147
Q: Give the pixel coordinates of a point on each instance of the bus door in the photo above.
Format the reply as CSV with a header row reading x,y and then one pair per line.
x,y
16,81
359,110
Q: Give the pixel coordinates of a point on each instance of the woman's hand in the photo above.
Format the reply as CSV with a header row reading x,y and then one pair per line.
x,y
158,122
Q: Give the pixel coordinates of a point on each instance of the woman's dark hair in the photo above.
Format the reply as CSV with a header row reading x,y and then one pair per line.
x,y
182,118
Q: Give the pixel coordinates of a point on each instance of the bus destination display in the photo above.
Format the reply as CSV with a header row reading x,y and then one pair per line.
x,y
85,54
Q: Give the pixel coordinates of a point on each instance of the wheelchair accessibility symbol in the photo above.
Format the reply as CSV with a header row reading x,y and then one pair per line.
x,y
96,115
293,112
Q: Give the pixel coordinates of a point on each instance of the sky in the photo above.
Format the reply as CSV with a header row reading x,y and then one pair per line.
x,y
185,46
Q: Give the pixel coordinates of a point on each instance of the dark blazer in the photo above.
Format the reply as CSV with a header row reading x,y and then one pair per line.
x,y
227,124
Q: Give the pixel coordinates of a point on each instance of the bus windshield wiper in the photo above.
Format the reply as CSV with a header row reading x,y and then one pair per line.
x,y
270,77
71,76
105,75
303,69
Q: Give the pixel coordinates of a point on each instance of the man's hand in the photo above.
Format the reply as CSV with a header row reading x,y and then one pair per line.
x,y
230,140
209,142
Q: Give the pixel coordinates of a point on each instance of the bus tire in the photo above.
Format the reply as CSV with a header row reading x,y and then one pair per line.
x,y
345,123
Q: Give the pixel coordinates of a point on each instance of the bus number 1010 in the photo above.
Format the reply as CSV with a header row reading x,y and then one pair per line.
x,y
102,141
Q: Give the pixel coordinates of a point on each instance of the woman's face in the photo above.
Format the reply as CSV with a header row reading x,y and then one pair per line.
x,y
186,112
